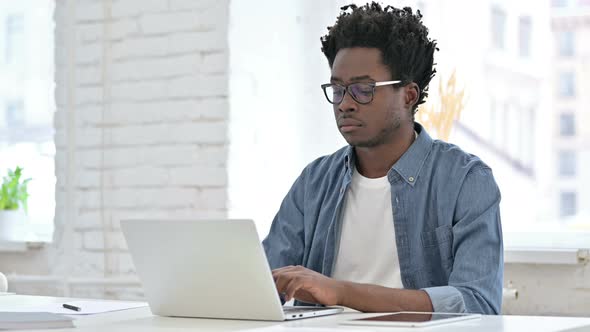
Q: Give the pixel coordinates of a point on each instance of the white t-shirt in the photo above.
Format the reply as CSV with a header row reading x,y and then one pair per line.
x,y
367,252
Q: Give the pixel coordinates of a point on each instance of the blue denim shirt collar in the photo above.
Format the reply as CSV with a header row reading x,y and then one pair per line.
x,y
408,167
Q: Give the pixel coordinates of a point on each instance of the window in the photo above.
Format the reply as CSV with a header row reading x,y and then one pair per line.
x,y
567,204
567,163
565,42
566,84
14,39
27,106
524,36
504,120
498,28
567,125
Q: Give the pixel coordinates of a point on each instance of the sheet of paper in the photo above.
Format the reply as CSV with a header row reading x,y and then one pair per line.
x,y
88,307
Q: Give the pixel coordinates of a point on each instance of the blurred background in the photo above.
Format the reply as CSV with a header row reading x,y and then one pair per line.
x,y
191,109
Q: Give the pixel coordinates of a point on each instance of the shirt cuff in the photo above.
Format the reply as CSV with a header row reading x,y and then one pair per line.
x,y
446,299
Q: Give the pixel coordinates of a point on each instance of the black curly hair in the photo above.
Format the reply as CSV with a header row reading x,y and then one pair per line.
x,y
399,34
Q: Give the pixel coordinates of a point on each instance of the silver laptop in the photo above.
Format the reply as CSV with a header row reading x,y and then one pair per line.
x,y
207,269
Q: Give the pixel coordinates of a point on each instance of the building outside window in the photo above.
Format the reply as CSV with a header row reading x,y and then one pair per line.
x,y
567,125
567,163
567,204
14,39
498,28
565,43
524,36
567,84
14,113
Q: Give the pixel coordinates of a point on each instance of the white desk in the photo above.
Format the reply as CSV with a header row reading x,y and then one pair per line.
x,y
142,319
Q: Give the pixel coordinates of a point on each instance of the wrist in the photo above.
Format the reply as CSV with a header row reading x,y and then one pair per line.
x,y
342,291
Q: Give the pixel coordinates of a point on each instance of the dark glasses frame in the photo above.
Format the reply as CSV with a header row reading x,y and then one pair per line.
x,y
347,88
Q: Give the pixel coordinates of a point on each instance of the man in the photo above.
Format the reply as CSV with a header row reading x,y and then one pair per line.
x,y
396,221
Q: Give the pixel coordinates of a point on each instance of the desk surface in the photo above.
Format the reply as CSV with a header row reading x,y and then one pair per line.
x,y
142,319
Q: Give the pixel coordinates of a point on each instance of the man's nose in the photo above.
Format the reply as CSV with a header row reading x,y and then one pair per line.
x,y
348,104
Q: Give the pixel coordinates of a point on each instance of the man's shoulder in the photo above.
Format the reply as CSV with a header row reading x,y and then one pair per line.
x,y
451,156
329,163
452,171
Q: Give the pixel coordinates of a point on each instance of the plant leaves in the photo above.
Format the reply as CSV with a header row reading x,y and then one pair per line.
x,y
14,193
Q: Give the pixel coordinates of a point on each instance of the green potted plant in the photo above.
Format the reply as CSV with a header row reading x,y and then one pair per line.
x,y
13,204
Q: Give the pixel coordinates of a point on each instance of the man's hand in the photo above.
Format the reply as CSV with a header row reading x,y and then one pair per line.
x,y
307,285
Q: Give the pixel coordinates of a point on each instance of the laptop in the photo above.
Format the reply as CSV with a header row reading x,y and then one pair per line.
x,y
207,269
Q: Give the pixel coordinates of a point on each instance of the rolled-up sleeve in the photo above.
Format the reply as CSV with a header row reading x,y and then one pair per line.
x,y
475,282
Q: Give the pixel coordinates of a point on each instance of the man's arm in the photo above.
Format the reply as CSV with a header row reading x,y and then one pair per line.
x,y
475,282
312,287
374,298
284,244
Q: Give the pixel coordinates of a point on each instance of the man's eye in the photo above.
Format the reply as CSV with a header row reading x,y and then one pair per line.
x,y
365,90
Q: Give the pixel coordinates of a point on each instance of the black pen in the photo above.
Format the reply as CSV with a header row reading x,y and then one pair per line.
x,y
71,307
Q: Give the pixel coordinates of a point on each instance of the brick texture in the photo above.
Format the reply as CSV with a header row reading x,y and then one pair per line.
x,y
141,129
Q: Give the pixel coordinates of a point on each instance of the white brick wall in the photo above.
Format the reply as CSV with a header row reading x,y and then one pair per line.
x,y
141,129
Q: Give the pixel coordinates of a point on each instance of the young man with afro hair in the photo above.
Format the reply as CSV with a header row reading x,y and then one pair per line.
x,y
395,221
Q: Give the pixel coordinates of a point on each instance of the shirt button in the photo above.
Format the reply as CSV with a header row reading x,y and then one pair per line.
x,y
411,179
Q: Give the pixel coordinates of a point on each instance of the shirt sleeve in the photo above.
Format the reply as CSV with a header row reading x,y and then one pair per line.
x,y
284,244
475,282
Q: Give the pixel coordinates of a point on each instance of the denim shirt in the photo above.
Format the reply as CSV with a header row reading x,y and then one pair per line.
x,y
446,218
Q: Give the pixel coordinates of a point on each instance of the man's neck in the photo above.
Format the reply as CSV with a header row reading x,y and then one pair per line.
x,y
375,162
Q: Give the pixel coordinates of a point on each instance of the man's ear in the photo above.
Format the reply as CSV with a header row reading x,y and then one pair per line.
x,y
412,93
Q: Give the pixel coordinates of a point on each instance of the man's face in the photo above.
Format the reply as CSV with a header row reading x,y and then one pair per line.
x,y
375,123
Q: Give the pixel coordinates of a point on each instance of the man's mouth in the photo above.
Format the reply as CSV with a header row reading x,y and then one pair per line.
x,y
349,125
347,129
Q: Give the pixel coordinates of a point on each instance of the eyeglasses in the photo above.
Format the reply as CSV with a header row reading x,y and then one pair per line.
x,y
361,92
